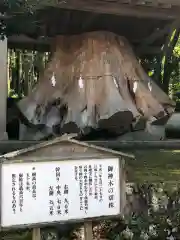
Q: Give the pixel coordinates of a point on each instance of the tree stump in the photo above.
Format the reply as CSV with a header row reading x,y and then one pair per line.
x,y
98,78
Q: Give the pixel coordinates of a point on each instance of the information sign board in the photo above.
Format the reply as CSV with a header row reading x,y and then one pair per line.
x,y
50,191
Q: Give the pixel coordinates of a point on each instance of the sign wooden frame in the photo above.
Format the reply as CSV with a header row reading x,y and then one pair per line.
x,y
38,225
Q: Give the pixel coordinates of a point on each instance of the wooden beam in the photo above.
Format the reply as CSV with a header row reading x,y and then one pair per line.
x,y
88,230
115,8
36,234
157,9
23,38
24,42
148,51
158,33
3,87
9,146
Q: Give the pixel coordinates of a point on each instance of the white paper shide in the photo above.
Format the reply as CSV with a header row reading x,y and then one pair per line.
x,y
44,192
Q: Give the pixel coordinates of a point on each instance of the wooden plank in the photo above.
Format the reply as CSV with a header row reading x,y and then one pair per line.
x,y
24,42
148,51
3,87
36,234
43,146
9,146
159,9
88,233
115,8
23,38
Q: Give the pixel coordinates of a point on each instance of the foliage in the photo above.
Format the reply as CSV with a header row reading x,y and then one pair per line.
x,y
18,15
162,218
24,69
175,75
168,80
13,7
20,6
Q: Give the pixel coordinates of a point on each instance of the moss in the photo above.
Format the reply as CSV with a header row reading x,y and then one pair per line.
x,y
154,166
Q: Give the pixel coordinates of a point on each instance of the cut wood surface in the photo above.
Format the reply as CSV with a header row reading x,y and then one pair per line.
x,y
100,84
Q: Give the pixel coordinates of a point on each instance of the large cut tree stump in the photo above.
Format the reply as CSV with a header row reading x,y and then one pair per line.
x,y
97,77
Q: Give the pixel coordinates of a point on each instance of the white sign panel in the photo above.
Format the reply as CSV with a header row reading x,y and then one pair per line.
x,y
44,192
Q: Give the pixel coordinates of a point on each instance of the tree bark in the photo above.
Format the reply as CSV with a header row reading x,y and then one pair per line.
x,y
97,76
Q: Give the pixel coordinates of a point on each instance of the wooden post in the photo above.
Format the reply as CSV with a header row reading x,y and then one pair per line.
x,y
88,233
3,87
36,234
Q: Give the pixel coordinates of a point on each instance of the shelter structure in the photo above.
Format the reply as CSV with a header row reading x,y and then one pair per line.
x,y
142,22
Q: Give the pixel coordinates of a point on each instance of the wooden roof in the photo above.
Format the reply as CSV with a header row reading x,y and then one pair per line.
x,y
158,9
164,9
134,19
68,140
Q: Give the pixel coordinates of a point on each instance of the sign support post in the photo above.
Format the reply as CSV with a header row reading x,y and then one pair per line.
x,y
36,234
3,88
88,232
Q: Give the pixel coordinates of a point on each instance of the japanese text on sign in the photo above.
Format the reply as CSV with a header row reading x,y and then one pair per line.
x,y
44,192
